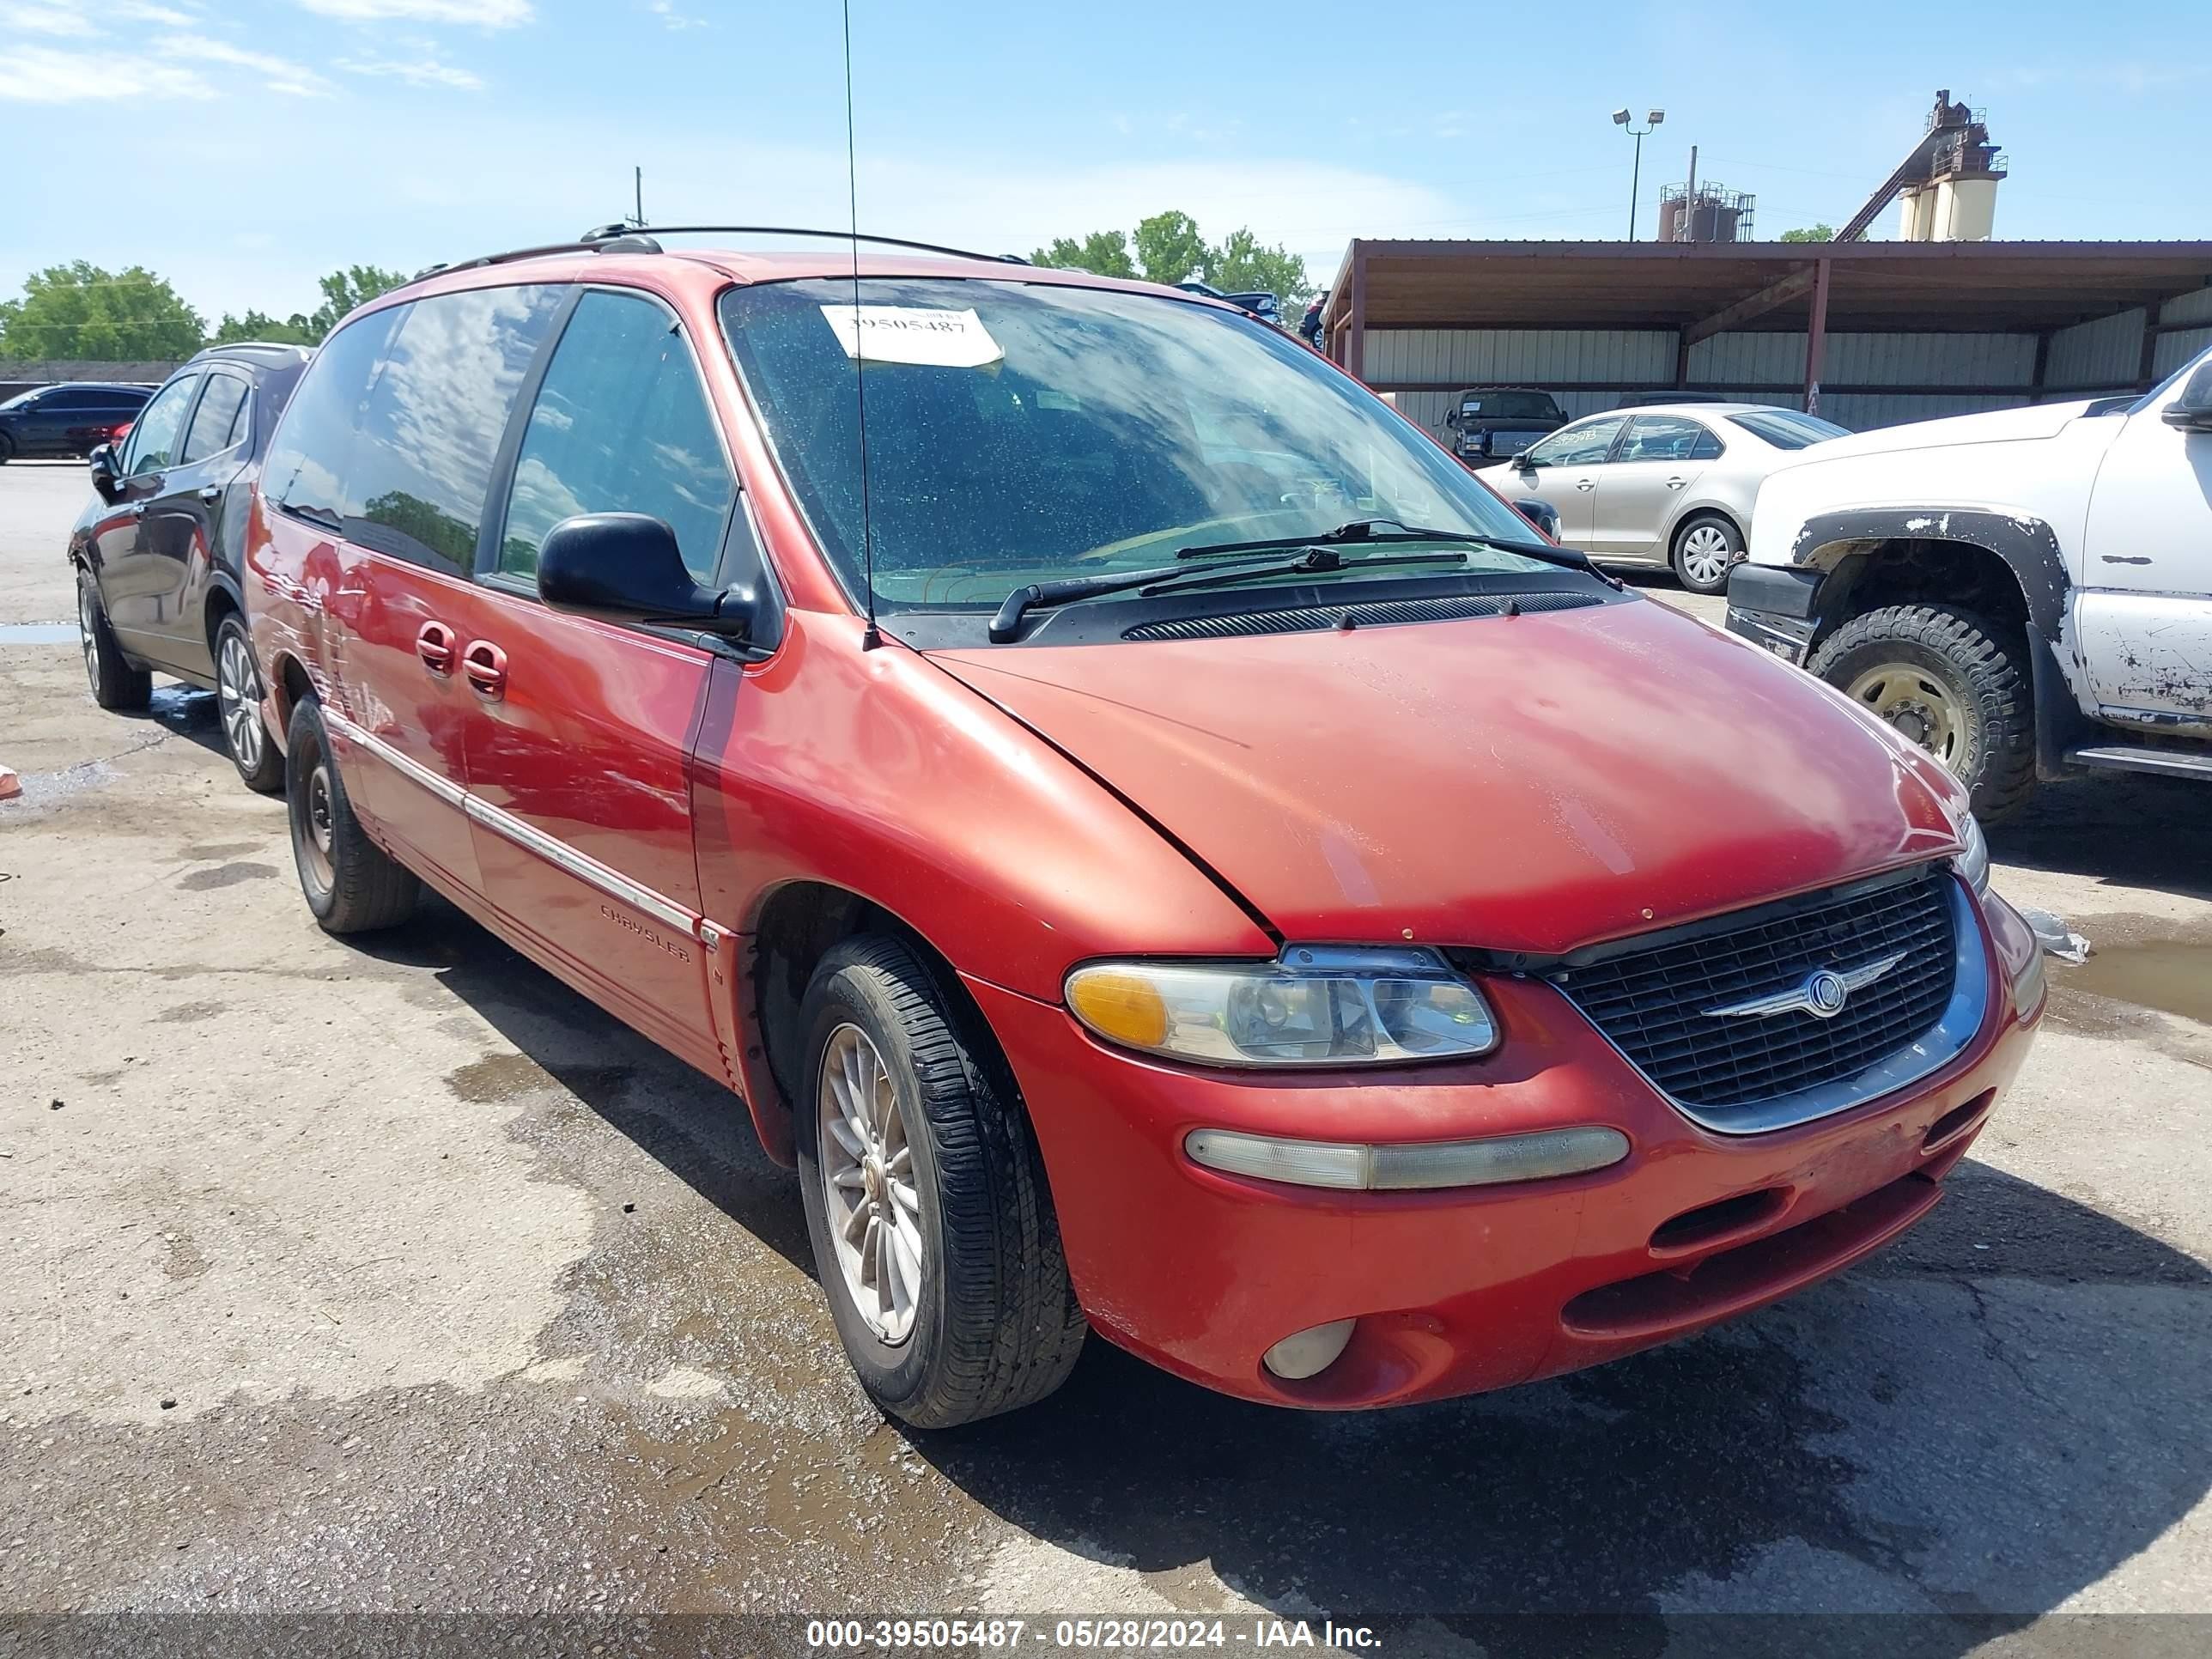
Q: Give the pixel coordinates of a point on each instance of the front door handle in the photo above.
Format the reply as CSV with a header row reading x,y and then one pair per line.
x,y
210,492
436,645
1586,484
485,665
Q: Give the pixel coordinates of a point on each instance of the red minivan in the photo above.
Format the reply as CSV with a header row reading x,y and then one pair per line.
x,y
1160,846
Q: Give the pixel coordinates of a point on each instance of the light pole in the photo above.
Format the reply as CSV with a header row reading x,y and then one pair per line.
x,y
1651,118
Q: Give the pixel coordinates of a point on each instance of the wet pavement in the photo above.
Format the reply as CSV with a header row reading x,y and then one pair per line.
x,y
391,1276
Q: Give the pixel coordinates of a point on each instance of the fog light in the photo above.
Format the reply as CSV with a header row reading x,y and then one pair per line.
x,y
1310,1352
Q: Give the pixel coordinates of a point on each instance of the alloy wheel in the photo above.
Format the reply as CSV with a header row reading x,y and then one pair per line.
x,y
869,1196
1705,553
88,627
238,696
1919,705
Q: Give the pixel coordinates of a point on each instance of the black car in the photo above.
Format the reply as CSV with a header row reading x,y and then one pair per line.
x,y
71,419
1256,302
157,561
1489,423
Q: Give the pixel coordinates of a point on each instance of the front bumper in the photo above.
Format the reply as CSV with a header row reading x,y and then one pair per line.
x,y
1462,1290
1776,607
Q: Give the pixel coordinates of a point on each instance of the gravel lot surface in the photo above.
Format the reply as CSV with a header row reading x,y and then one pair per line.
x,y
391,1275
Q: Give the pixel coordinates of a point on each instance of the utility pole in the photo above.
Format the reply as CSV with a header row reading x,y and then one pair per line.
x,y
1651,118
1690,202
638,179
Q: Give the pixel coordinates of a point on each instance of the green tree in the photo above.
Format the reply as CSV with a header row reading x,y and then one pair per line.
x,y
344,291
259,325
1170,248
1811,233
1103,251
79,311
1241,264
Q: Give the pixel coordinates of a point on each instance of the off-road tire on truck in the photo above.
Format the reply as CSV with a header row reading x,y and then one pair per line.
x,y
995,1325
1966,665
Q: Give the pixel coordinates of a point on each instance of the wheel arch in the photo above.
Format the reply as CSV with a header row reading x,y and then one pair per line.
x,y
792,927
1692,511
223,599
287,687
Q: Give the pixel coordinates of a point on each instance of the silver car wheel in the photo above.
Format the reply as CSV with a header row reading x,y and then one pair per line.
x,y
88,627
237,690
868,1191
1706,553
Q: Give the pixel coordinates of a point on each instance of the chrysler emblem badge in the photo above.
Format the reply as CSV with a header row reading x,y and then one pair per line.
x,y
1821,994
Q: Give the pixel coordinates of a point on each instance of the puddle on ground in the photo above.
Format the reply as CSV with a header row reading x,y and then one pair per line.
x,y
38,634
2171,975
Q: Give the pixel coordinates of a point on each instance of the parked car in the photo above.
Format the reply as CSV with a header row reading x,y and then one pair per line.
x,y
159,574
1256,302
1341,947
1667,486
2026,594
1671,396
1489,423
69,420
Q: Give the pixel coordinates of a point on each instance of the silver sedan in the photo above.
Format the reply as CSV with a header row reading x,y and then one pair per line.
x,y
1670,484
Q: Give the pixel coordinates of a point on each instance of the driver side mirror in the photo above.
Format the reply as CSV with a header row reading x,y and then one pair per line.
x,y
2193,411
627,567
1524,462
100,463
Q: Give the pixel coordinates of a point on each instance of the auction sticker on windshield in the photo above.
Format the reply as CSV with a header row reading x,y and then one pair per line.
x,y
914,334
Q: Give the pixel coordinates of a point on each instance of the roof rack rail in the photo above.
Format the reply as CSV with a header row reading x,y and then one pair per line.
x,y
595,238
607,239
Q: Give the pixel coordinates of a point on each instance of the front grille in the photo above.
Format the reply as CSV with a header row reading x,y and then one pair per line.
x,y
1312,619
1650,1002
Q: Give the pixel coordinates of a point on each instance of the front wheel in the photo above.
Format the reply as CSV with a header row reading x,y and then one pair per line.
x,y
1954,683
1706,549
238,703
934,1231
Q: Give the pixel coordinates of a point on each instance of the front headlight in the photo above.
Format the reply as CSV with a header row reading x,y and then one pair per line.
x,y
1313,1006
1973,861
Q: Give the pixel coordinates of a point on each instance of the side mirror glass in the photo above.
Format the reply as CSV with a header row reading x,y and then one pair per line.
x,y
1524,462
100,463
627,567
2193,411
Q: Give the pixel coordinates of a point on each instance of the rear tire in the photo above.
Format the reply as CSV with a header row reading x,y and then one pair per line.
x,y
115,683
7,449
1705,550
1954,681
990,1322
348,881
238,706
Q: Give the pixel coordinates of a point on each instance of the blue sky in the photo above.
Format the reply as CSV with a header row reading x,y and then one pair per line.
x,y
242,147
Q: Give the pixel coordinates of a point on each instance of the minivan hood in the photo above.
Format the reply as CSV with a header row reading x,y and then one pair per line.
x,y
1532,783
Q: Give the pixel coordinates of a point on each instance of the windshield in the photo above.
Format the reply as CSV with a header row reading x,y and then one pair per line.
x,y
1509,406
1785,429
1024,433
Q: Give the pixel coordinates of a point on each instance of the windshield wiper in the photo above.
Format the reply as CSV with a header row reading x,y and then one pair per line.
x,y
1364,531
1006,624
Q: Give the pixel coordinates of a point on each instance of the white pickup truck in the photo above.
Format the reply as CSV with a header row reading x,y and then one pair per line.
x,y
2027,593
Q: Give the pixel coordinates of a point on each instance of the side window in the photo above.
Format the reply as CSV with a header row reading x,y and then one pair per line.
x,y
1661,438
1579,446
430,430
216,415
621,425
153,435
1707,448
313,449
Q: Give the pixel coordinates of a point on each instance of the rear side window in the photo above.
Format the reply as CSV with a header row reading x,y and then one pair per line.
x,y
621,425
1663,438
309,457
216,418
430,430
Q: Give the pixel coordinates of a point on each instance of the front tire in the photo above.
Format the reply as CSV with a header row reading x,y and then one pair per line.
x,y
238,705
349,882
1952,681
1705,550
934,1231
115,683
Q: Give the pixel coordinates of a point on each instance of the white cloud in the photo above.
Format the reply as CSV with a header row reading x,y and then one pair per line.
x,y
428,72
485,14
278,74
666,12
38,19
42,75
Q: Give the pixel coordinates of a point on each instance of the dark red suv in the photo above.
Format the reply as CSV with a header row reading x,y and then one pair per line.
x,y
1159,846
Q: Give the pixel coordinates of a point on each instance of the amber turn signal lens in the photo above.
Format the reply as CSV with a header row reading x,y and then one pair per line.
x,y
1122,1006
